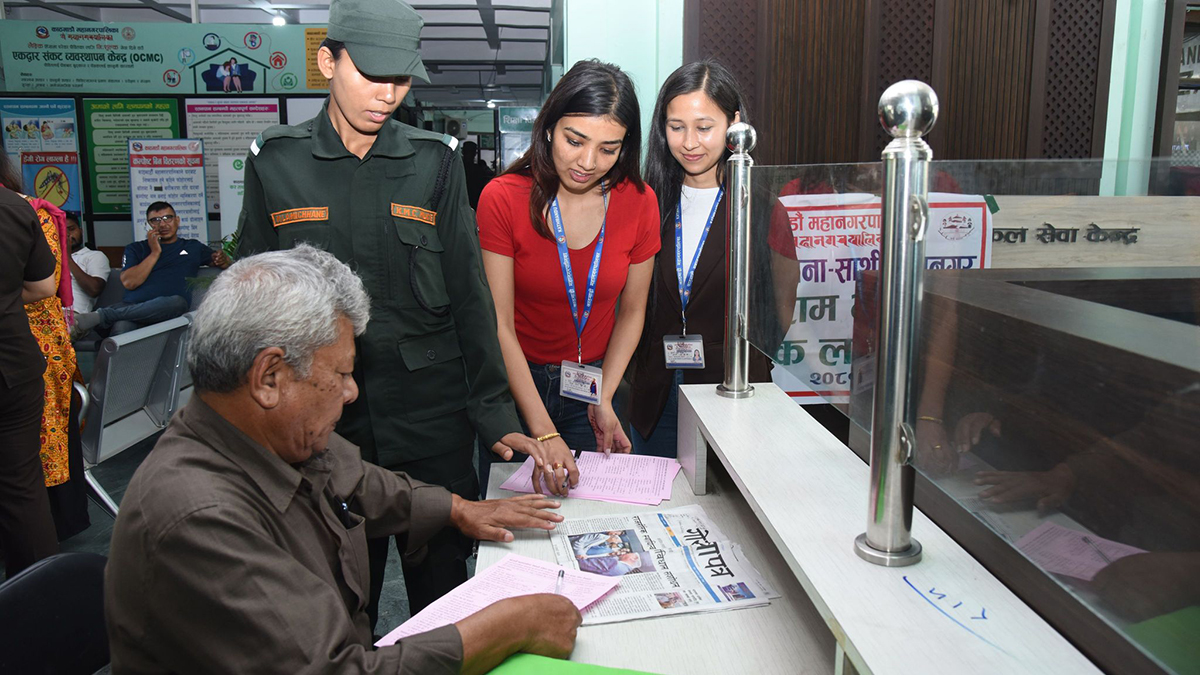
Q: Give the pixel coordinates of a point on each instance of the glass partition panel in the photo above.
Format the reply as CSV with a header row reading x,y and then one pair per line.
x,y
814,230
1058,395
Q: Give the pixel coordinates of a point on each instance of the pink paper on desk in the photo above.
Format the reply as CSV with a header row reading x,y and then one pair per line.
x,y
513,576
1065,551
625,479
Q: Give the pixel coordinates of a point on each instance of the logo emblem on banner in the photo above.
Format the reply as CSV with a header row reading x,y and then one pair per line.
x,y
956,226
128,33
42,32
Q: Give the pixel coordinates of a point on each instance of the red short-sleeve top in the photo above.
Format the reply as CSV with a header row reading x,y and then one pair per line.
x,y
541,311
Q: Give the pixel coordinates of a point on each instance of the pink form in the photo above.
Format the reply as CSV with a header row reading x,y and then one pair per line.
x,y
627,479
1065,551
513,576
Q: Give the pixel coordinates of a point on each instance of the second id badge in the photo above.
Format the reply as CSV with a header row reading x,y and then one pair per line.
x,y
684,351
580,382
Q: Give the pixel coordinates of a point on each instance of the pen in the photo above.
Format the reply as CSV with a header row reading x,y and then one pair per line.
x,y
567,477
558,584
1088,540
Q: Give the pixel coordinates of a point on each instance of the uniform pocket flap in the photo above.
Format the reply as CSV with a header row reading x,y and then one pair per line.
x,y
417,233
427,350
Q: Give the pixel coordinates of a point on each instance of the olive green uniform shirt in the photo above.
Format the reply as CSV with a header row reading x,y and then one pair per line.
x,y
417,367
226,559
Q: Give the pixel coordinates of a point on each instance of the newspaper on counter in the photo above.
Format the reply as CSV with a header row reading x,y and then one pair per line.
x,y
673,561
665,528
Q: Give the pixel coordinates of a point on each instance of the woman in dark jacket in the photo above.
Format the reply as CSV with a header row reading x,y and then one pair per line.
x,y
26,275
685,167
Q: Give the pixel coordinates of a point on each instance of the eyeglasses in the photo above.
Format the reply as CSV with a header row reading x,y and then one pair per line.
x,y
151,222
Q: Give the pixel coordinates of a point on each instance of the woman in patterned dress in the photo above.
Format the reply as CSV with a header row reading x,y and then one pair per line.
x,y
47,322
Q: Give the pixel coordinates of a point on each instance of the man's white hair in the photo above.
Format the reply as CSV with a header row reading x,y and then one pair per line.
x,y
289,299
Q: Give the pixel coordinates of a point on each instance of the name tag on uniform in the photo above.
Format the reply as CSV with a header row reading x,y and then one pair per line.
x,y
684,351
580,382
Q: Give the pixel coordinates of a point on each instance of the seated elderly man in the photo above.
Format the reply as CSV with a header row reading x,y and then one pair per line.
x,y
241,545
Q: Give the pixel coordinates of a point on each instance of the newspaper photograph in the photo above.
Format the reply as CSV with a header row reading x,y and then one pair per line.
x,y
633,532
660,582
671,561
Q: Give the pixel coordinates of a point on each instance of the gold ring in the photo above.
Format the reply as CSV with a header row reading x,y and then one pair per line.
x,y
558,465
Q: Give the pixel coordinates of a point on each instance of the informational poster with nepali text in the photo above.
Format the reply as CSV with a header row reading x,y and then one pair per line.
x,y
170,171
227,127
108,125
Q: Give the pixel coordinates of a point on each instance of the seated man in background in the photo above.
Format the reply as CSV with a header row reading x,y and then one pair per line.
x,y
241,545
89,269
155,274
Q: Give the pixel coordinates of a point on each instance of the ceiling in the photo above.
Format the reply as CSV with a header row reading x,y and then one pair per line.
x,y
475,50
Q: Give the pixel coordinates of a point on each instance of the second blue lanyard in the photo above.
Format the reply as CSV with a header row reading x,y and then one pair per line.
x,y
564,261
685,280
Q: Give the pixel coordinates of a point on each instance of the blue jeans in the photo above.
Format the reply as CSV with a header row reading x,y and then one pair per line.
x,y
662,441
570,418
143,313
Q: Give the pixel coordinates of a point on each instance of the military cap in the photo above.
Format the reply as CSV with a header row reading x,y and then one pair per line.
x,y
381,36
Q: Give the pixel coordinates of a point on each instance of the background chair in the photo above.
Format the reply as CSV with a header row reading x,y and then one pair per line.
x,y
52,617
133,392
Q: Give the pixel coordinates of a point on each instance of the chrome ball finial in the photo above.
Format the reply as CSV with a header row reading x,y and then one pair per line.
x,y
908,109
740,138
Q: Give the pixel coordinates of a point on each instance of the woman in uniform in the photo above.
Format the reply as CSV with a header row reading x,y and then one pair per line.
x,y
391,201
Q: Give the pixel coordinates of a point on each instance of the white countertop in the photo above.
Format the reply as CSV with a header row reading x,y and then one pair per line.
x,y
788,636
946,614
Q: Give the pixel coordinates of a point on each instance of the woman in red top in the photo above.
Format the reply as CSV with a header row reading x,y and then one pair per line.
x,y
567,231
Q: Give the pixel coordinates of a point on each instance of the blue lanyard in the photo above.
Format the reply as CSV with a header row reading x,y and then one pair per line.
x,y
685,282
564,261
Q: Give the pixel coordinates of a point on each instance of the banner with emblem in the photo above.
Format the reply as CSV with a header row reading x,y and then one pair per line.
x,y
160,58
170,171
837,239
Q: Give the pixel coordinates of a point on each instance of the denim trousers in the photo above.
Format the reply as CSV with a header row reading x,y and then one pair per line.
x,y
144,313
570,418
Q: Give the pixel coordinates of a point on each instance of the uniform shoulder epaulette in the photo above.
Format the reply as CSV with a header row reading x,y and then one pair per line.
x,y
280,131
415,134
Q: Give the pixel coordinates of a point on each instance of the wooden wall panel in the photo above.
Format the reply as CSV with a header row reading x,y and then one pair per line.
x,y
982,77
813,81
1016,78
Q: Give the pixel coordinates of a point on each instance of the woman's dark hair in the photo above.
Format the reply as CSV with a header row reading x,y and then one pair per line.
x,y
10,175
335,46
663,172
591,88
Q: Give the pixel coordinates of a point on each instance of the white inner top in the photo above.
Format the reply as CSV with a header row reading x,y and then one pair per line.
x,y
697,204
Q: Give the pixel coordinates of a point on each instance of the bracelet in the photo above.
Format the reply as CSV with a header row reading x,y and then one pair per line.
x,y
548,436
927,418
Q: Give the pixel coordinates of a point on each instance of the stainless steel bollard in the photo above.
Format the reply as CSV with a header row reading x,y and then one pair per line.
x,y
740,138
908,111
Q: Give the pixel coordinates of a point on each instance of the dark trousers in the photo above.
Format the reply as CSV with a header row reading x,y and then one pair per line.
x,y
26,526
444,565
570,419
69,501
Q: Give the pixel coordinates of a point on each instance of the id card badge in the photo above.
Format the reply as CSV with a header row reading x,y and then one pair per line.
x,y
580,382
684,351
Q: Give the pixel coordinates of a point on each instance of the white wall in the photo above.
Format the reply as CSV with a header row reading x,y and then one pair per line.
x,y
645,39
